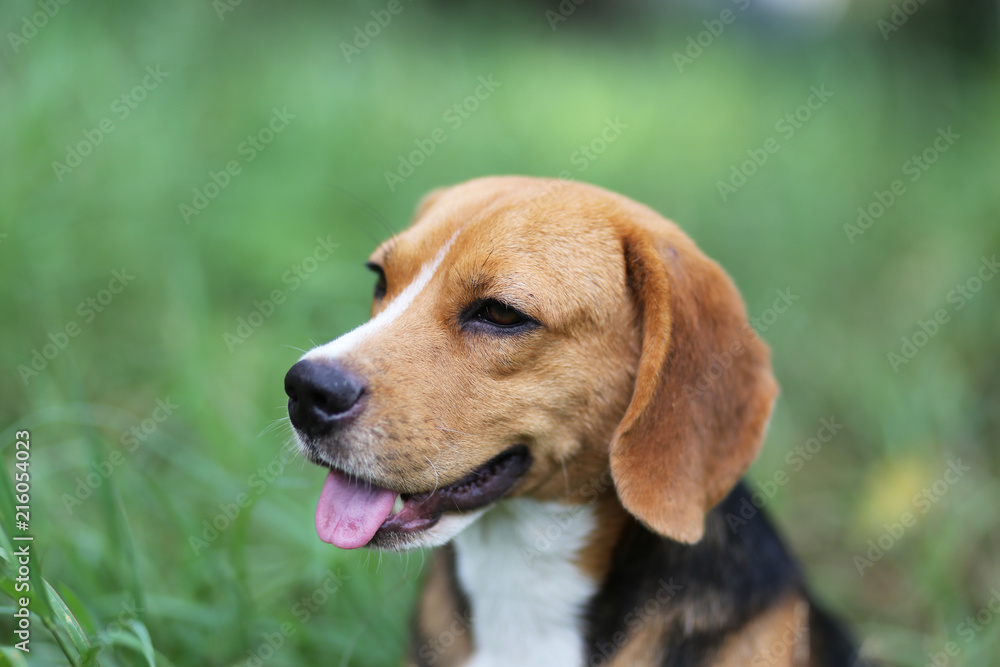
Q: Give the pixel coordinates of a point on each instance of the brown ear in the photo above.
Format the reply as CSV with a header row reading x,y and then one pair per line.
x,y
703,391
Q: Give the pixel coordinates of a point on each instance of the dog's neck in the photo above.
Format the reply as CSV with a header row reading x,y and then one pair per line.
x,y
548,584
518,565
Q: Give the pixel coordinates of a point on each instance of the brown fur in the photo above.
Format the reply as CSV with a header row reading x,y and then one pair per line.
x,y
632,322
777,638
442,619
562,390
644,365
688,435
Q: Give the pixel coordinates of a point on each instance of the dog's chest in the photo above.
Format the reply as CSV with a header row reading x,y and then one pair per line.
x,y
527,594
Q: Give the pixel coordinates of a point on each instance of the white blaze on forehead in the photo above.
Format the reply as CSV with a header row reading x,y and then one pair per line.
x,y
397,307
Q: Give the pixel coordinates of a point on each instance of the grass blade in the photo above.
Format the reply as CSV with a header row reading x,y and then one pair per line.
x,y
67,621
147,645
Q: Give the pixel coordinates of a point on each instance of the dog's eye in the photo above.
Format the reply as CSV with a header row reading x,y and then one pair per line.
x,y
501,315
380,285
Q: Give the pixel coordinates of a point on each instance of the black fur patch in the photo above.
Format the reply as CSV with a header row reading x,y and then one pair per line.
x,y
716,586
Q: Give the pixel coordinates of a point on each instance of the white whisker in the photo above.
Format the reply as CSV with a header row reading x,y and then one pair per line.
x,y
437,478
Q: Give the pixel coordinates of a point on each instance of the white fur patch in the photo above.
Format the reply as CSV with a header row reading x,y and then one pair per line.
x,y
527,595
397,307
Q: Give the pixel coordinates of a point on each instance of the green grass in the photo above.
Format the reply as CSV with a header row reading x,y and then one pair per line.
x,y
124,553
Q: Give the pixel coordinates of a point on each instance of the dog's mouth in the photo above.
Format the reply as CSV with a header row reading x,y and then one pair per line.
x,y
352,511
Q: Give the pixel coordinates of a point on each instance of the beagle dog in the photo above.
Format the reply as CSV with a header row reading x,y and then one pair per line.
x,y
560,390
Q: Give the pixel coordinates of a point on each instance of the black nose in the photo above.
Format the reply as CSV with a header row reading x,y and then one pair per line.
x,y
320,395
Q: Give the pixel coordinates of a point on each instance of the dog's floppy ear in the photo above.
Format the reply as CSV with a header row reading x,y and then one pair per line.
x,y
703,391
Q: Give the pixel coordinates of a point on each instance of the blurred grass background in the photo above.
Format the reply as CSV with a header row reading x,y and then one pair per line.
x,y
125,551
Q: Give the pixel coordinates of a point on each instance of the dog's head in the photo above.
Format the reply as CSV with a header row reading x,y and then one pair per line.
x,y
527,336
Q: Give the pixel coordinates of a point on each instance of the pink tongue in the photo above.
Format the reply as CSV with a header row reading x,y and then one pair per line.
x,y
350,511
